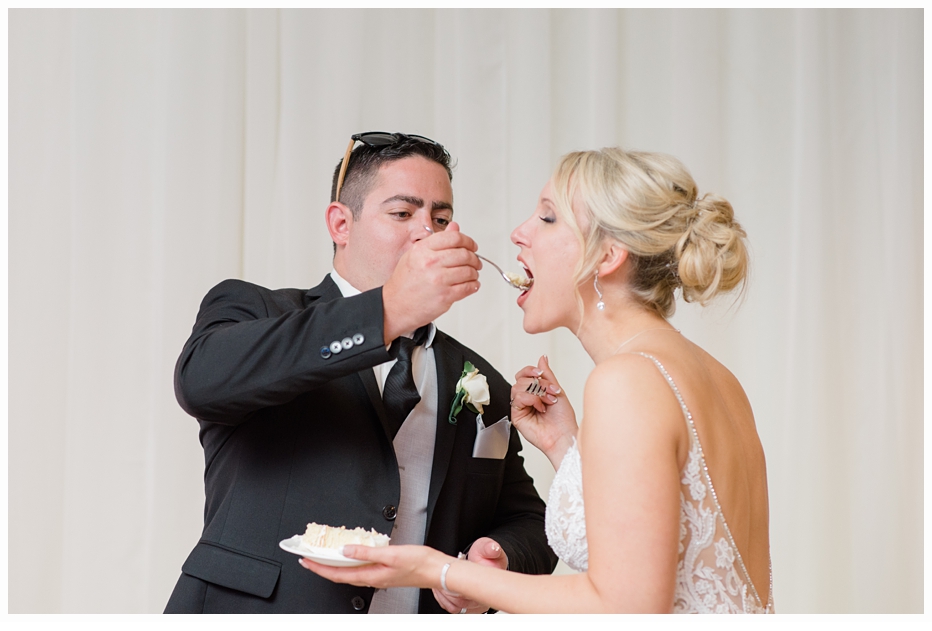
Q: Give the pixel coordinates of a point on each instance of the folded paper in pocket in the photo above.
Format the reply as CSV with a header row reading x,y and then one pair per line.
x,y
492,441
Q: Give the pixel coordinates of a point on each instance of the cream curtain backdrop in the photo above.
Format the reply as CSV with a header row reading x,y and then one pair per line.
x,y
154,153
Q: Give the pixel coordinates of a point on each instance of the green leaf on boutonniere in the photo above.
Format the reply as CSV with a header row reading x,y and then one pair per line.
x,y
457,406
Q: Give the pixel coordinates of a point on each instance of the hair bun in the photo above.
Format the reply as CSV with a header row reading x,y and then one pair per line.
x,y
648,202
712,252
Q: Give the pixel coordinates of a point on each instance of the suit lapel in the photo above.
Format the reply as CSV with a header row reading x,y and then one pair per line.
x,y
372,389
449,367
328,290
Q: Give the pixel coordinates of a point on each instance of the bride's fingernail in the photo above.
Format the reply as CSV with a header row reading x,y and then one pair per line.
x,y
538,372
552,398
555,389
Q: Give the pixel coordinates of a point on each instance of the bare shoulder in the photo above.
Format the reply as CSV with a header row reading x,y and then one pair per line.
x,y
625,375
629,394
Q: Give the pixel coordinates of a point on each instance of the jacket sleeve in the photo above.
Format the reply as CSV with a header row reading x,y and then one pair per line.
x,y
250,349
518,524
519,519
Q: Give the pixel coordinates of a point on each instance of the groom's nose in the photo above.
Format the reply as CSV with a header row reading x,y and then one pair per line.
x,y
421,227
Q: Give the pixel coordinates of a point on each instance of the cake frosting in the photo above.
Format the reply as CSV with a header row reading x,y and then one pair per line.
x,y
323,536
518,279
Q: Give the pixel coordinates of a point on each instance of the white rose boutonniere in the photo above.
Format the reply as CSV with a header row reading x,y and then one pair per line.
x,y
472,390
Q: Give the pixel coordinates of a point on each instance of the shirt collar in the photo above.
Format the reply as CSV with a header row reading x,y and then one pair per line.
x,y
348,290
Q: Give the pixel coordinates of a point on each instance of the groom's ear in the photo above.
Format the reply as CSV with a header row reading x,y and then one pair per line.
x,y
339,222
614,257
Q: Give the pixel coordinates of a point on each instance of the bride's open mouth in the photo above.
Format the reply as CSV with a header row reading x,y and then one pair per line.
x,y
530,282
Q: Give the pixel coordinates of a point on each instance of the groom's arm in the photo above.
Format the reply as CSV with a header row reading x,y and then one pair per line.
x,y
253,348
517,540
518,525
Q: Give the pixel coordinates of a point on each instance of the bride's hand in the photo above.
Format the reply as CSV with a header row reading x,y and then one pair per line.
x,y
547,422
389,566
410,566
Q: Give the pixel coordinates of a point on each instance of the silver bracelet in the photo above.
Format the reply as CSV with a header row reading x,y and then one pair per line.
x,y
443,580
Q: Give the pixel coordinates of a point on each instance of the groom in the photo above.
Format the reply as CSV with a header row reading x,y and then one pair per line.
x,y
333,405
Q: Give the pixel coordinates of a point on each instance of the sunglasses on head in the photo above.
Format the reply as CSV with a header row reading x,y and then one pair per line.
x,y
375,139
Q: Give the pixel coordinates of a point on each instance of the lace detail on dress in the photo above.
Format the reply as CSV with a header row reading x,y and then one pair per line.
x,y
711,576
565,521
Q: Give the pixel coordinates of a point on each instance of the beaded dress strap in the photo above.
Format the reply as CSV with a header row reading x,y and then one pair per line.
x,y
708,479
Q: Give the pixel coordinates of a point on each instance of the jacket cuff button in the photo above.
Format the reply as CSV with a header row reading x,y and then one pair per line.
x,y
389,512
325,352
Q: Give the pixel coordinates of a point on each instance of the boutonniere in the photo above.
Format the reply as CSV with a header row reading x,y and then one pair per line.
x,y
472,390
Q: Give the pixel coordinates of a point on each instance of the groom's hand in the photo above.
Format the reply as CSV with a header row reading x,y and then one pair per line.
x,y
438,270
484,551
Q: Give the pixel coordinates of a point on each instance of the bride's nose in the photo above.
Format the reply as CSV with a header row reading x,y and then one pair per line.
x,y
519,235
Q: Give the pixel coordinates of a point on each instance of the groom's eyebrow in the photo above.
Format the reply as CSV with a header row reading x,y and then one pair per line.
x,y
417,202
408,199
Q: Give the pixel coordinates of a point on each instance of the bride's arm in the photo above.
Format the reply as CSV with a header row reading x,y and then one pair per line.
x,y
548,422
629,440
631,444
421,566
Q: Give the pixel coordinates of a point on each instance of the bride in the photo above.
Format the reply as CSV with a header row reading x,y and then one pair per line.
x,y
660,496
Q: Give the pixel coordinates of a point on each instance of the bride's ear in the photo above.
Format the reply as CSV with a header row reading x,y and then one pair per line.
x,y
614,257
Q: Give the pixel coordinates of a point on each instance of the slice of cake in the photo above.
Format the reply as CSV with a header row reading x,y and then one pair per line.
x,y
323,536
518,279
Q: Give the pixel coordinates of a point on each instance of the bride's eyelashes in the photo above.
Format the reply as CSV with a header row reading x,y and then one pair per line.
x,y
548,219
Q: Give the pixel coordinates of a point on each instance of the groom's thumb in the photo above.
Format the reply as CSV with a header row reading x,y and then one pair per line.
x,y
492,549
487,552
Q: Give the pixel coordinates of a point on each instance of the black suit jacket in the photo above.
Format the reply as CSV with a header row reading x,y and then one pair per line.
x,y
294,434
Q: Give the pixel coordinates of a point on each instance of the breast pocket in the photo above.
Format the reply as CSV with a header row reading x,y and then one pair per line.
x,y
486,466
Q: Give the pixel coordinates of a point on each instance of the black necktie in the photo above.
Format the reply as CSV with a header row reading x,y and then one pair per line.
x,y
399,394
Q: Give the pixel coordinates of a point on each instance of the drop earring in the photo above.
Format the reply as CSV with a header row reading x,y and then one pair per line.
x,y
599,305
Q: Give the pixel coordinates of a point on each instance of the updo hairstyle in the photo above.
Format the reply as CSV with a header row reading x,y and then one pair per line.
x,y
649,203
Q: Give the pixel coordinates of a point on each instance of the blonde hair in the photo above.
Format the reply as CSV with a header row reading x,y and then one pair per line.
x,y
649,203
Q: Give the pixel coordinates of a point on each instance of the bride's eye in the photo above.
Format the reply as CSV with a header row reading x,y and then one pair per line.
x,y
548,219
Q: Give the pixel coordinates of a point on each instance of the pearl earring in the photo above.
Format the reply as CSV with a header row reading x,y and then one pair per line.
x,y
599,305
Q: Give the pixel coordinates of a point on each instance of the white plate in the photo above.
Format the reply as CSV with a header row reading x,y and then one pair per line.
x,y
324,556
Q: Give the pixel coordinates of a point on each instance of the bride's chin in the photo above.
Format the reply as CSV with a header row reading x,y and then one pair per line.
x,y
528,325
532,327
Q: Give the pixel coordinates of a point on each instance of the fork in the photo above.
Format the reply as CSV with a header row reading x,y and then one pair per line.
x,y
507,278
504,275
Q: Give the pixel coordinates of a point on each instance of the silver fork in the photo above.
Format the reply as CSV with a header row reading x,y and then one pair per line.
x,y
504,275
507,278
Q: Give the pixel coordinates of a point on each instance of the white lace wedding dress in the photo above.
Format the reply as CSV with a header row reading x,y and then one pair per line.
x,y
710,575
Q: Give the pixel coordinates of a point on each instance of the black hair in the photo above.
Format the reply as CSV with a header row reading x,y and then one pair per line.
x,y
365,162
